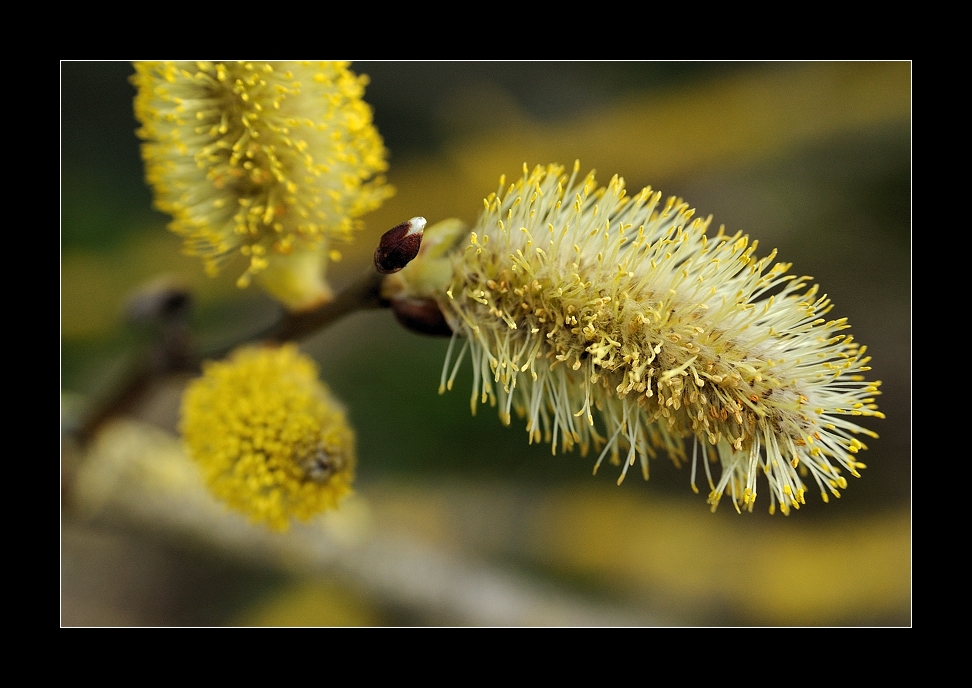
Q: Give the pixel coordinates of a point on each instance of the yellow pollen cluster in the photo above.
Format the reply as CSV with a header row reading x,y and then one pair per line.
x,y
259,159
271,440
579,302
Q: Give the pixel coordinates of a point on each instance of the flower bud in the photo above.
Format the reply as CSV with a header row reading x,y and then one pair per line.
x,y
421,315
399,245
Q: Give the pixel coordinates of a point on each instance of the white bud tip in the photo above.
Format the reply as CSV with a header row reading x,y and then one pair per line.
x,y
417,225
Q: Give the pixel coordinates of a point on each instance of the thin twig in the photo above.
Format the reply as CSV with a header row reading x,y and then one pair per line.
x,y
362,294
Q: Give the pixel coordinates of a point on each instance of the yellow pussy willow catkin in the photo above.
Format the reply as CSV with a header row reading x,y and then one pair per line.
x,y
615,322
271,440
271,161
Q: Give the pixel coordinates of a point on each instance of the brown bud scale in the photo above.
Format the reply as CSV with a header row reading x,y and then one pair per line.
x,y
399,246
422,316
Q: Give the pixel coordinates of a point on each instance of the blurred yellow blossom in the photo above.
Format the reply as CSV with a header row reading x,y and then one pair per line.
x,y
576,299
271,161
270,438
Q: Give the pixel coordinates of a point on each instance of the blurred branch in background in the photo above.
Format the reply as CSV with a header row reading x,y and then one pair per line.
x,y
458,521
142,476
425,548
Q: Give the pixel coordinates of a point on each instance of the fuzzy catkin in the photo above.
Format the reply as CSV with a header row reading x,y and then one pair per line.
x,y
271,440
269,161
617,323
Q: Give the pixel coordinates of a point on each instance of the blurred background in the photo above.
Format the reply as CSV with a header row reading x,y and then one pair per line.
x,y
457,520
